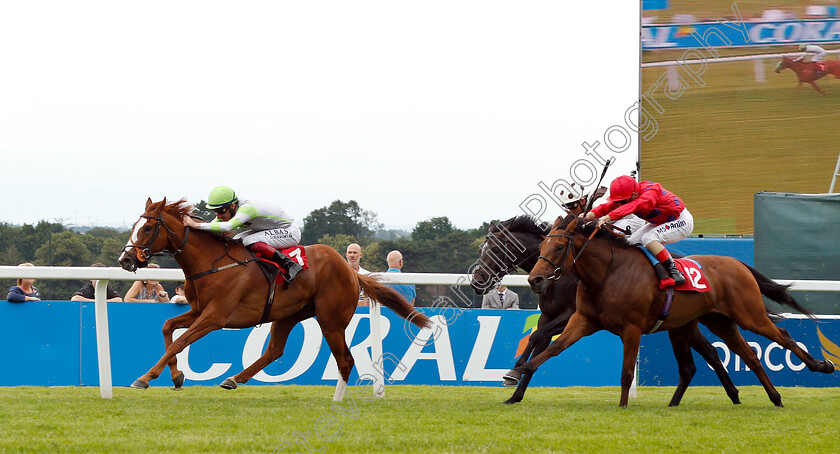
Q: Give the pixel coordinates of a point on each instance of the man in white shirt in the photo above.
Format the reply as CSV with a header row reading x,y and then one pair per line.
x,y
354,258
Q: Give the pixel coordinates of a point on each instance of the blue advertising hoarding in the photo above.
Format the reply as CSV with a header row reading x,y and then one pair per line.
x,y
732,34
53,343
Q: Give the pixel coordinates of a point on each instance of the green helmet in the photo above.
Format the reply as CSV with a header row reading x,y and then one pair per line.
x,y
801,47
221,196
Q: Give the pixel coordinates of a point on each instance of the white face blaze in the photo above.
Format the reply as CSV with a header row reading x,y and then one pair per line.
x,y
133,239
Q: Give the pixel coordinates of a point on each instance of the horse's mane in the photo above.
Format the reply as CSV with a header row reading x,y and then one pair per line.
x,y
522,224
183,208
587,227
179,209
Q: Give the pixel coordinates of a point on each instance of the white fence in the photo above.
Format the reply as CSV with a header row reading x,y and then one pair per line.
x,y
104,275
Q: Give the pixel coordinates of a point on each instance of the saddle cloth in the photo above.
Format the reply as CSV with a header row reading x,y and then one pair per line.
x,y
296,253
695,280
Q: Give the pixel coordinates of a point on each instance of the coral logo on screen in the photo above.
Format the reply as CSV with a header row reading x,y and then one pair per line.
x,y
830,350
530,327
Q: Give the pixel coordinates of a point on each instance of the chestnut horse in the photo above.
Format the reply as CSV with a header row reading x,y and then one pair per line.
x,y
619,292
226,289
808,71
516,243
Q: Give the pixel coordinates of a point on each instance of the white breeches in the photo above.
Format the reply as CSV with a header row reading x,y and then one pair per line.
x,y
278,238
668,232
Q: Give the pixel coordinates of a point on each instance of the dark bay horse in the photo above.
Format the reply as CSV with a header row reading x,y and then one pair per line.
x,y
516,243
235,296
619,293
809,72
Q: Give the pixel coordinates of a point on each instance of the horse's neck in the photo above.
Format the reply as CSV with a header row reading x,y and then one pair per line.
x,y
528,258
596,261
200,251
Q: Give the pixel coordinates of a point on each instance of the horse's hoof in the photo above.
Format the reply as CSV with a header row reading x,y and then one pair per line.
x,y
512,401
139,384
512,377
229,383
179,380
829,366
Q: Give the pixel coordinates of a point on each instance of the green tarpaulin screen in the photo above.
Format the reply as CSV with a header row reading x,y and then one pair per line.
x,y
797,236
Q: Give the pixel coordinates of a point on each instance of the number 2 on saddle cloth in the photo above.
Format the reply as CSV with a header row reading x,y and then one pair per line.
x,y
695,281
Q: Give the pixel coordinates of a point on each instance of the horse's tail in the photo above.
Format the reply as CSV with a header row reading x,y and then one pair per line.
x,y
389,298
777,292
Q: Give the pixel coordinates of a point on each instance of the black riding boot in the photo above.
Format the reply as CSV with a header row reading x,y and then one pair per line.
x,y
292,267
673,271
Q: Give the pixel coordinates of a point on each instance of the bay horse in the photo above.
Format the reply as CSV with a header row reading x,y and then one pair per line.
x,y
619,293
226,288
808,72
516,243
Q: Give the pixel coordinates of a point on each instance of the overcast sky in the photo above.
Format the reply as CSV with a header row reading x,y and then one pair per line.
x,y
413,109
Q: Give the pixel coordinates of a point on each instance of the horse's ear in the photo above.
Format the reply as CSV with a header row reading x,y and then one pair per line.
x,y
148,202
163,204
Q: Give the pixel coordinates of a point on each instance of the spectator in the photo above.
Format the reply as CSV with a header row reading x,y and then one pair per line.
x,y
24,290
147,291
180,296
395,264
88,291
354,258
502,298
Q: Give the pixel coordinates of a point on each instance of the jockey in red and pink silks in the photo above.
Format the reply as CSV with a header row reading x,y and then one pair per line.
x,y
668,220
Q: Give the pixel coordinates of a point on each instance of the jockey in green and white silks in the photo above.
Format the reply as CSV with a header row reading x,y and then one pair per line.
x,y
269,226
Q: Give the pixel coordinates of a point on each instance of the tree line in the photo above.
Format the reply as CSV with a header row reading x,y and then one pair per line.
x,y
433,246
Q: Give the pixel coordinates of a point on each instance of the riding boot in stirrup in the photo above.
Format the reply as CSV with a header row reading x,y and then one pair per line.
x,y
673,271
292,267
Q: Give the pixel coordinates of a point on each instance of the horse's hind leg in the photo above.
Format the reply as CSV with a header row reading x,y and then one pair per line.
x,y
702,346
685,362
728,331
765,327
181,321
280,330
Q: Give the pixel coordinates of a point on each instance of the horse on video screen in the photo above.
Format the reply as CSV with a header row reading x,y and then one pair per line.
x,y
226,288
619,292
809,72
516,243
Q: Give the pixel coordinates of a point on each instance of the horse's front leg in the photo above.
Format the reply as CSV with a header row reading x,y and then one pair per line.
x,y
205,323
182,321
631,337
577,328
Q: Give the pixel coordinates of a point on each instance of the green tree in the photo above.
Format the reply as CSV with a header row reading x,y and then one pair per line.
x,y
432,229
339,241
339,217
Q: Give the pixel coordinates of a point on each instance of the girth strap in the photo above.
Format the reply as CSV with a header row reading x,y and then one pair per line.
x,y
666,308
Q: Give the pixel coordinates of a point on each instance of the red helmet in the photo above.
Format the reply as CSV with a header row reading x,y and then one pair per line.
x,y
622,188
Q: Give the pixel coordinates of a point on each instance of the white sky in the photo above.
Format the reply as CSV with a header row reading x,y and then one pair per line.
x,y
415,110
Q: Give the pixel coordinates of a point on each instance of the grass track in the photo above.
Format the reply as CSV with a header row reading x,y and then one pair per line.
x,y
719,144
420,419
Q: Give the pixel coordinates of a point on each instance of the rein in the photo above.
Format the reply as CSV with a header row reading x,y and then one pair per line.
x,y
146,251
570,247
213,268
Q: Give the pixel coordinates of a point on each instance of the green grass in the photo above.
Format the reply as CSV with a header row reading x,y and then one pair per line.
x,y
719,144
419,419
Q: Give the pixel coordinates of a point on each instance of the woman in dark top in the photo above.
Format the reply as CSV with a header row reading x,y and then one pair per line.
x,y
24,290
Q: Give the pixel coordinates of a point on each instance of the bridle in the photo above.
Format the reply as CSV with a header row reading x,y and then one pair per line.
x,y
570,248
146,251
